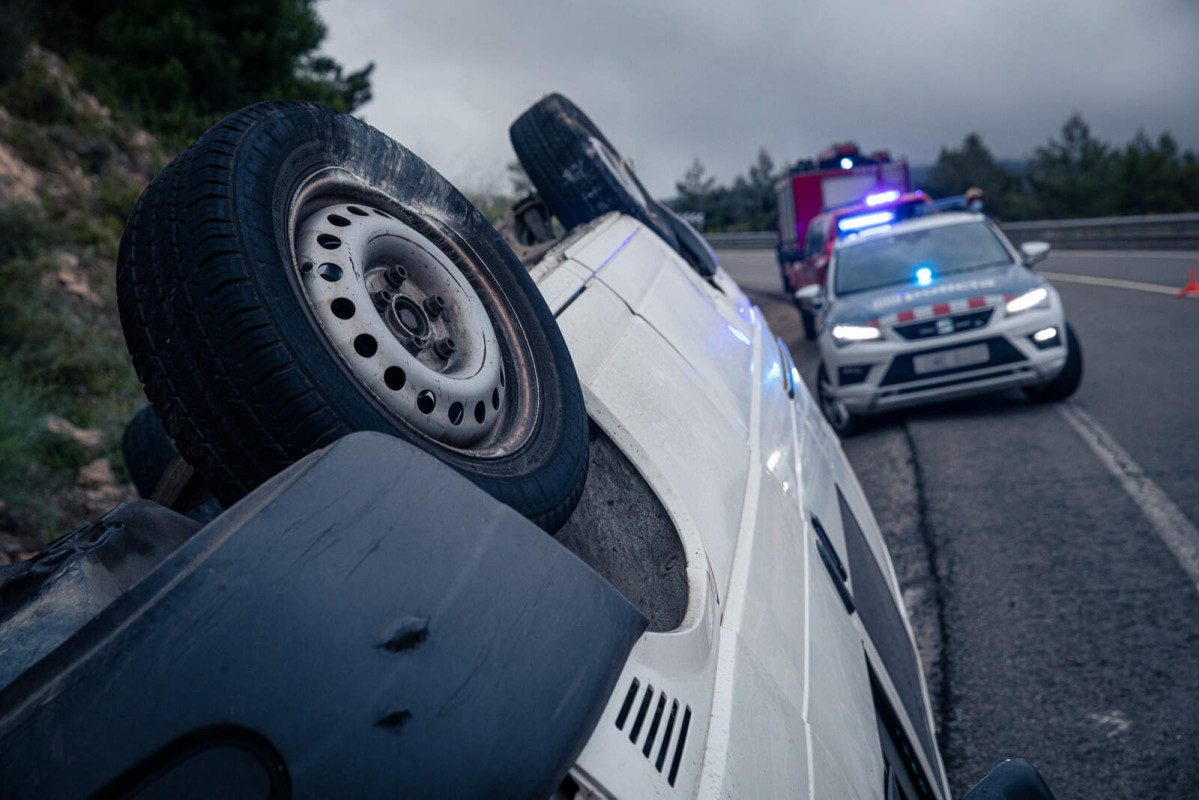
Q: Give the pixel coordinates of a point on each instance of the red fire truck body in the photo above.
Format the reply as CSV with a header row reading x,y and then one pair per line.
x,y
840,176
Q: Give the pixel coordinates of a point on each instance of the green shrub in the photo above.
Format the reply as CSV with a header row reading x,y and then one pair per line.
x,y
33,461
32,144
35,94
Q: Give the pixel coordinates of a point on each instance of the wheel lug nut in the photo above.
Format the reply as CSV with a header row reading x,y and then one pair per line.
x,y
444,348
381,299
396,275
434,305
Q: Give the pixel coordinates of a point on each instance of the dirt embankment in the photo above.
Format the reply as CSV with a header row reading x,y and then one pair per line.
x,y
70,171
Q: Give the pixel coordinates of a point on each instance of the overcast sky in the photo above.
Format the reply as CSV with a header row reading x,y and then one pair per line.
x,y
669,80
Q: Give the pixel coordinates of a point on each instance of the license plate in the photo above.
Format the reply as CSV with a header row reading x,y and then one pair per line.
x,y
951,359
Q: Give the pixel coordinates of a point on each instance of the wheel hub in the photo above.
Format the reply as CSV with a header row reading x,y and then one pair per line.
x,y
404,319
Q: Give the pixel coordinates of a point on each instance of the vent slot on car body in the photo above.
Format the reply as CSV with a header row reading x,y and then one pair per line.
x,y
832,563
904,777
657,715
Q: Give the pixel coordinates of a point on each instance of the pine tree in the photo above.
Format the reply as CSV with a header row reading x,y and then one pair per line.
x,y
179,65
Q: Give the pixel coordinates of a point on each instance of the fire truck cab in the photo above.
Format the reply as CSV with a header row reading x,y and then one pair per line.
x,y
837,181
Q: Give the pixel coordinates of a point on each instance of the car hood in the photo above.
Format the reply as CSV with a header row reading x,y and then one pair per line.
x,y
992,284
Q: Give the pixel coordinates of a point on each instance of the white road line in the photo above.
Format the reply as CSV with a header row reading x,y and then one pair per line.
x,y
1113,282
1178,533
1127,254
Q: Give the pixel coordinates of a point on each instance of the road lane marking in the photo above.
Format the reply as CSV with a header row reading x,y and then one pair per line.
x,y
1171,525
1112,282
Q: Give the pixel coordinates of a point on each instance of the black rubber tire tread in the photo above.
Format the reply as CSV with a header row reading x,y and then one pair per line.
x,y
551,140
148,450
809,324
852,423
787,289
1067,381
240,377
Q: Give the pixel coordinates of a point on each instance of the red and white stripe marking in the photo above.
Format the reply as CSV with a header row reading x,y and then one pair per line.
x,y
943,309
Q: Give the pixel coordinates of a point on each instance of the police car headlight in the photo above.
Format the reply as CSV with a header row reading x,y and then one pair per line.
x,y
844,334
1037,298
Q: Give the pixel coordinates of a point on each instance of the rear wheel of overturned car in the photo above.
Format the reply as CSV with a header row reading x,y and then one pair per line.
x,y
148,450
1067,381
839,417
295,275
577,171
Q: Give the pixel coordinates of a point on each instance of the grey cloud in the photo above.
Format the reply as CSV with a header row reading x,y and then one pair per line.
x,y
669,81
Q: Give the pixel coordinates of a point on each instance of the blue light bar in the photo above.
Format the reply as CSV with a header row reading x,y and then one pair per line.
x,y
882,197
924,276
865,221
846,163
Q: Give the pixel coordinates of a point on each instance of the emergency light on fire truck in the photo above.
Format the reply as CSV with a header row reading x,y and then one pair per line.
x,y
843,191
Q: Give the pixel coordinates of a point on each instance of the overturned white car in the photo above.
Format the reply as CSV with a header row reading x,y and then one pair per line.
x,y
361,370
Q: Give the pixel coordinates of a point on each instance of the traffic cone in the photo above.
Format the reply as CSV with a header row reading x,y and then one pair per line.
x,y
1192,288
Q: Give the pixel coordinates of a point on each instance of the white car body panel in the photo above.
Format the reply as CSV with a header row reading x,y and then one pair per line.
x,y
687,380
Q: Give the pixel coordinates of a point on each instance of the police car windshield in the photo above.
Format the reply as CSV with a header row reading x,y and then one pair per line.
x,y
883,260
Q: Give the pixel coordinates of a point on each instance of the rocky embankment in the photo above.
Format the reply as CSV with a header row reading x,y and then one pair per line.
x,y
70,171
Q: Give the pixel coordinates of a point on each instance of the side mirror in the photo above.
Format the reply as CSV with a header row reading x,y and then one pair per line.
x,y
1014,779
808,297
1034,252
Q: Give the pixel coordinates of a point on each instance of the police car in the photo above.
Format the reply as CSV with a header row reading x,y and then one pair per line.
x,y
934,308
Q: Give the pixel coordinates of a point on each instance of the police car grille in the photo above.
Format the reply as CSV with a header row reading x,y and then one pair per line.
x,y
999,349
928,328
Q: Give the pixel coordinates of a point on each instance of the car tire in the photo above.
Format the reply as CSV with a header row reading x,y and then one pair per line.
x,y
260,338
577,171
787,288
148,451
1067,381
809,324
839,418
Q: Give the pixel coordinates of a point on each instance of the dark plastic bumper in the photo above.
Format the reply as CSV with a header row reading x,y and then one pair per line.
x,y
367,624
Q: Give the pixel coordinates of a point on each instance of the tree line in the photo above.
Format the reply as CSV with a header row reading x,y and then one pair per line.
x,y
1071,176
175,66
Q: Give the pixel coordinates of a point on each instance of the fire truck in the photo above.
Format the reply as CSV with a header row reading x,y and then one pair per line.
x,y
838,177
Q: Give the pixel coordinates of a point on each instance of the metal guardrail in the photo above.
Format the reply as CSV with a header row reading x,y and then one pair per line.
x,y
748,240
1151,232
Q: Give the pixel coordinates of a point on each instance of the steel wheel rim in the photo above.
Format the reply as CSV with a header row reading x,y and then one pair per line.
x,y
481,399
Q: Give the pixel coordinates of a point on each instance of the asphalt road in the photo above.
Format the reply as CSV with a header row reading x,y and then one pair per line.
x,y
1055,615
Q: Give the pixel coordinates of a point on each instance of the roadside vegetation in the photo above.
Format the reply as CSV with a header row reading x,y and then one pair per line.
x,y
1074,175
94,99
